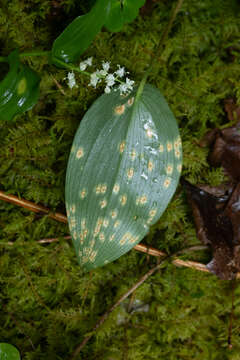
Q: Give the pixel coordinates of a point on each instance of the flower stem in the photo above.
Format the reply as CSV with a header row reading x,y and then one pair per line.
x,y
159,48
35,53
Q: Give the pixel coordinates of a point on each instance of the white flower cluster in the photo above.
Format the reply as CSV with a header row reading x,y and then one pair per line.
x,y
110,79
71,80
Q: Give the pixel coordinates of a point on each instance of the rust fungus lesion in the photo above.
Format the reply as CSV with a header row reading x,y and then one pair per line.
x,y
119,110
130,101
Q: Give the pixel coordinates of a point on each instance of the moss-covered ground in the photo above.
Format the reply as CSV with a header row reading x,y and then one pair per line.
x,y
47,303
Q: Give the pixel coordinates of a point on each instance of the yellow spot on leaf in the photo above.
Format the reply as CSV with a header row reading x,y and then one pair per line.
x,y
133,155
169,169
73,208
80,153
113,214
161,148
116,188
22,86
167,182
141,200
102,237
150,166
93,256
127,236
98,189
103,188
83,235
130,101
169,146
105,223
98,226
123,199
103,203
83,193
133,239
83,223
112,237
116,224
130,173
177,153
73,222
122,146
119,110
92,243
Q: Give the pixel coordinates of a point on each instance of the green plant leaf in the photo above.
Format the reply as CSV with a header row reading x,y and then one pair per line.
x,y
78,35
19,90
122,12
9,352
123,170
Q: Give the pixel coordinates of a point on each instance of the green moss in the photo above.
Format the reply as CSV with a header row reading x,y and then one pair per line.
x,y
47,304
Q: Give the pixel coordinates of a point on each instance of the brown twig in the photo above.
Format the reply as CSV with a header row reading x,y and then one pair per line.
x,y
62,218
113,307
32,207
51,240
58,85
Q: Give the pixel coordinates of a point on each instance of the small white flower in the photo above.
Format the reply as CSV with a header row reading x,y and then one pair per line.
x,y
89,61
127,87
94,79
123,89
71,80
110,80
106,66
120,72
83,66
107,89
103,72
129,83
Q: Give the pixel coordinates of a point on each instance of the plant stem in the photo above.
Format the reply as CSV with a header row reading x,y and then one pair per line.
x,y
159,48
35,53
122,298
114,306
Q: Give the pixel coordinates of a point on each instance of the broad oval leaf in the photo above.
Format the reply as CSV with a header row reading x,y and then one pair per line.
x,y
9,352
78,35
19,90
122,12
123,169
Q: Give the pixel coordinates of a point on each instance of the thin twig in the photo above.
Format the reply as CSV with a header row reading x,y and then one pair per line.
x,y
62,218
32,206
113,307
51,240
58,85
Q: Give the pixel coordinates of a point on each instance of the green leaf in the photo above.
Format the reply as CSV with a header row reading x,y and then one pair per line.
x,y
123,170
8,352
19,90
77,36
122,12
